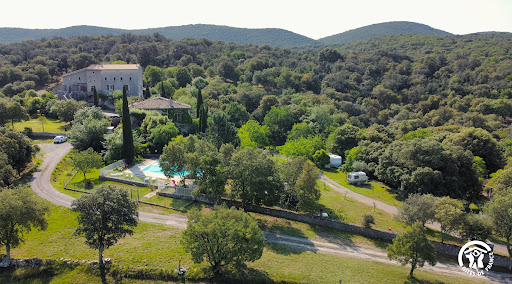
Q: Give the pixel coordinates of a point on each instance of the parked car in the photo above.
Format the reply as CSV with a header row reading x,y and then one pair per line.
x,y
60,139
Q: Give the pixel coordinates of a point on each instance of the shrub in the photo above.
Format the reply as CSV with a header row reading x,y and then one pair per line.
x,y
368,220
28,131
321,158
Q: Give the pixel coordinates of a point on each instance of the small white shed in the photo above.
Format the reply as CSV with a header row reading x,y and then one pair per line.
x,y
334,160
357,177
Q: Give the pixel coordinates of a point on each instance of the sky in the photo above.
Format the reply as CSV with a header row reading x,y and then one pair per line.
x,y
314,19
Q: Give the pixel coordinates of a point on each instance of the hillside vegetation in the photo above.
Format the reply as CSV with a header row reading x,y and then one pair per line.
x,y
271,36
420,113
382,29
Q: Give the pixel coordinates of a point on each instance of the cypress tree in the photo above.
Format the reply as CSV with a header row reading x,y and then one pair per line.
x,y
199,102
162,89
96,99
203,118
148,92
128,148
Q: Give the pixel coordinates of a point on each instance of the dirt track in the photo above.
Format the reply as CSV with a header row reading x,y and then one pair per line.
x,y
53,153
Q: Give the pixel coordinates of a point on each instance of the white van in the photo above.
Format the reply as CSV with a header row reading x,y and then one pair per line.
x,y
357,177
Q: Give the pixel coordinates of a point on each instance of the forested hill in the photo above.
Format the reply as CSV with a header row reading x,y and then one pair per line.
x,y
427,114
272,37
382,29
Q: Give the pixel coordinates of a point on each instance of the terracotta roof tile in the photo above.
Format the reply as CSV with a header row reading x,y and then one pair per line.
x,y
159,103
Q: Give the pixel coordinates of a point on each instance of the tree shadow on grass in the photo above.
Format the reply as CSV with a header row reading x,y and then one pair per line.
x,y
242,274
414,280
43,275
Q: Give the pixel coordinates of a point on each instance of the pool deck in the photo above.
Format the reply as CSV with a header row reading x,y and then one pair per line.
x,y
137,170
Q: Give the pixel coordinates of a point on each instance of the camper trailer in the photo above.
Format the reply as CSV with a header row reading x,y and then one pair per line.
x,y
334,161
357,177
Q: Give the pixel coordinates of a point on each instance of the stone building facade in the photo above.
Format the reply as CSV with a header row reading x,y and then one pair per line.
x,y
107,78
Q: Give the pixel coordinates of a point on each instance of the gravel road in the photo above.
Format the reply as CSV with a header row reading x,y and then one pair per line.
x,y
53,153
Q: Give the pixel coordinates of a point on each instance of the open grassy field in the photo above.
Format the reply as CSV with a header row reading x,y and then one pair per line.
x,y
51,125
334,203
372,189
158,246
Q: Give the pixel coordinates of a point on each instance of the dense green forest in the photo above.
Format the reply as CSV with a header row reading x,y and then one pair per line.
x,y
424,114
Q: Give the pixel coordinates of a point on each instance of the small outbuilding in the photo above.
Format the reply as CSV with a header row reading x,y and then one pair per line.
x,y
334,160
357,177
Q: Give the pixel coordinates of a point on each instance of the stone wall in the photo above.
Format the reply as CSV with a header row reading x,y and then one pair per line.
x,y
500,263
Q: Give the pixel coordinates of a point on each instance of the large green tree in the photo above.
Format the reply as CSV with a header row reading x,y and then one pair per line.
x,y
66,109
105,217
7,173
417,208
222,237
114,145
89,129
254,177
161,135
300,177
172,161
11,111
128,147
413,247
19,148
481,144
20,211
500,211
221,131
206,162
87,160
449,214
279,122
428,166
343,138
252,134
237,114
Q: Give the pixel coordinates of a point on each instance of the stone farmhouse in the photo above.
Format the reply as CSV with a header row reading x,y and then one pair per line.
x,y
107,78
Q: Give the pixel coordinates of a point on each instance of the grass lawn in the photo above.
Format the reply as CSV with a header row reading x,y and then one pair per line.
x,y
158,247
64,172
345,209
51,125
373,189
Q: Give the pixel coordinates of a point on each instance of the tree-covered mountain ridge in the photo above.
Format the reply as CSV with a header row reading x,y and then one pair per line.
x,y
271,36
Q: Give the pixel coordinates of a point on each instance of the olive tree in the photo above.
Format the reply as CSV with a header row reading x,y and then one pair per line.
x,y
20,211
449,214
105,217
222,237
413,247
500,211
86,160
417,207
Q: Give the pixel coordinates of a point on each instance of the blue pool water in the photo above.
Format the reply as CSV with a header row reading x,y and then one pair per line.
x,y
155,168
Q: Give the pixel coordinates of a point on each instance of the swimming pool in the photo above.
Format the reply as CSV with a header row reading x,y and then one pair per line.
x,y
155,168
